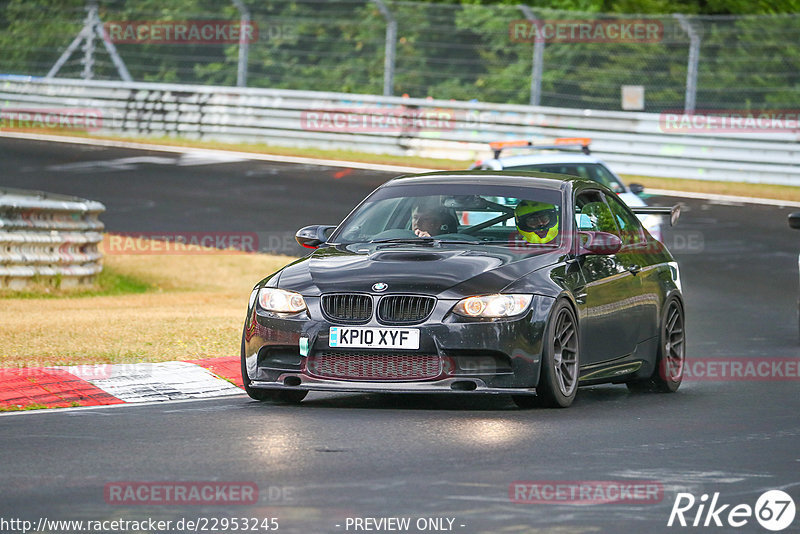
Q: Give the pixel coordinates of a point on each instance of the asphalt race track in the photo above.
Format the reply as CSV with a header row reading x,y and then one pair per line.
x,y
377,456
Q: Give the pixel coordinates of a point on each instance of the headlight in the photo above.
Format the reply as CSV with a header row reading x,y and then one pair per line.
x,y
493,305
280,301
253,295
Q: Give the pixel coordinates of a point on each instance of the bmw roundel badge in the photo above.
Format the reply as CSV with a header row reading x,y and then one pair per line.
x,y
380,286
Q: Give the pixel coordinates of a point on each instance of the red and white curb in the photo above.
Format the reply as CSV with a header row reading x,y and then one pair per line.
x,y
98,385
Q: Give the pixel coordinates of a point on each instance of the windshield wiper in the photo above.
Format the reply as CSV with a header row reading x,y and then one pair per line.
x,y
497,243
412,240
430,241
461,242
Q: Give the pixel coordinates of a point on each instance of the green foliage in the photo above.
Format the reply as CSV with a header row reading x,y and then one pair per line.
x,y
30,32
703,7
108,282
444,50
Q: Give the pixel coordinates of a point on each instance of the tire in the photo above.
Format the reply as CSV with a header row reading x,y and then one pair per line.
x,y
276,396
558,380
671,357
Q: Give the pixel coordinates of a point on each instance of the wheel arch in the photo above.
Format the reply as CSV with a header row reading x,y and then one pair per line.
x,y
573,304
676,294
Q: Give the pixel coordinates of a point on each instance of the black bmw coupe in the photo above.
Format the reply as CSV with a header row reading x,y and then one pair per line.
x,y
479,282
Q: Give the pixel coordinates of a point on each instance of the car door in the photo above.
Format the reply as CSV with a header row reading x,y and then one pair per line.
x,y
609,329
635,257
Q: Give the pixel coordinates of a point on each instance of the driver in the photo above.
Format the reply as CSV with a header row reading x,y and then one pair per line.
x,y
536,221
431,221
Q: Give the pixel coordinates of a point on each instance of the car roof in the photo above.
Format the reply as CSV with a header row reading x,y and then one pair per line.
x,y
545,159
542,180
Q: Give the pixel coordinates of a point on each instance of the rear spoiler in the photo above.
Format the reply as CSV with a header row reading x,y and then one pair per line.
x,y
561,142
674,212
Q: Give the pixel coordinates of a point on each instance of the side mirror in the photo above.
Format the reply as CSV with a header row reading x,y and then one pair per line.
x,y
313,236
636,189
794,220
601,243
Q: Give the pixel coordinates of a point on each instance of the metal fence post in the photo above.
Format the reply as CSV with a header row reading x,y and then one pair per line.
x,y
244,44
694,59
537,66
88,46
389,52
91,27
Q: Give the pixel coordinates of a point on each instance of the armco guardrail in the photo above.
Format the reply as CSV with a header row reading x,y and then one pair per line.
x,y
632,143
48,237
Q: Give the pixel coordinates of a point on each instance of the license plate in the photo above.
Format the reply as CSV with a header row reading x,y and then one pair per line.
x,y
374,338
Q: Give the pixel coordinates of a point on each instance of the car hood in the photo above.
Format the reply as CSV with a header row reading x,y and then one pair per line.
x,y
446,272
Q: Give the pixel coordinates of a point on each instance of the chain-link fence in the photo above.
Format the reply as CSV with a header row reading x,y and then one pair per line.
x,y
506,54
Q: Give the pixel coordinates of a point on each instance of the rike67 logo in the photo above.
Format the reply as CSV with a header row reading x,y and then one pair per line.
x,y
774,510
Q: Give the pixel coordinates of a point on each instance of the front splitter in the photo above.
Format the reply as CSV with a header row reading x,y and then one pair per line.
x,y
446,385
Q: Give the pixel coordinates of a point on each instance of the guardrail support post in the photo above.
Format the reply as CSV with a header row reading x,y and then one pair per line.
x,y
389,49
88,45
244,44
91,27
537,66
694,60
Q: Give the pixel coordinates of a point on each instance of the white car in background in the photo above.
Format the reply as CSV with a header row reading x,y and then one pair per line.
x,y
583,165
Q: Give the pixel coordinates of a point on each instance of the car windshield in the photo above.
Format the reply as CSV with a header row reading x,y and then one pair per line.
x,y
587,171
457,213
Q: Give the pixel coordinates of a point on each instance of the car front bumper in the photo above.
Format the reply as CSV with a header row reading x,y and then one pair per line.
x,y
447,385
500,356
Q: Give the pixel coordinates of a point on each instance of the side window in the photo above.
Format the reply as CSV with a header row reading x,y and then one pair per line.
x,y
602,175
592,214
629,225
375,218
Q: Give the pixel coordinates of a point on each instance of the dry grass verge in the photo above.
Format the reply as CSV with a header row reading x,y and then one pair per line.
x,y
193,307
780,192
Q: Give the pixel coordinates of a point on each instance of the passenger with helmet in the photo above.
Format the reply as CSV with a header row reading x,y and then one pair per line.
x,y
537,221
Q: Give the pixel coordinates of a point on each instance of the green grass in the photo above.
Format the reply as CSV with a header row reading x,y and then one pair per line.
x,y
35,406
108,283
164,308
226,379
780,192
